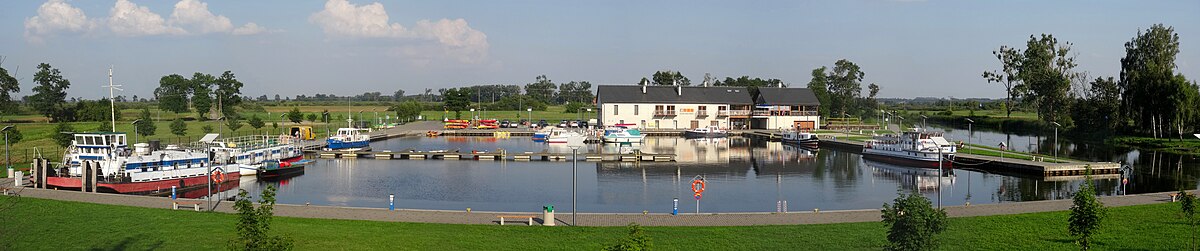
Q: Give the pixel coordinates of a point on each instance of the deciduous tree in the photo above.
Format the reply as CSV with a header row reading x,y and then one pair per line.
x,y
178,127
1047,68
145,124
50,95
1086,213
8,86
1010,63
913,223
172,93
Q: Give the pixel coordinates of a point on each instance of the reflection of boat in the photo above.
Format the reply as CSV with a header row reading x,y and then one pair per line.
x,y
565,137
806,139
921,178
705,132
144,170
913,148
623,135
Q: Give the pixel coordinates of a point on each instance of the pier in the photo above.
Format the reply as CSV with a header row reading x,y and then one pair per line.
x,y
498,154
1011,165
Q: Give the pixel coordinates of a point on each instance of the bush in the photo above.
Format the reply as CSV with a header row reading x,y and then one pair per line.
x,y
254,224
206,129
636,240
13,136
62,134
178,127
913,223
1086,213
1187,206
573,107
295,115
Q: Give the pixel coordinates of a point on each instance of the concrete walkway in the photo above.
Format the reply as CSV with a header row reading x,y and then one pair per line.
x,y
596,219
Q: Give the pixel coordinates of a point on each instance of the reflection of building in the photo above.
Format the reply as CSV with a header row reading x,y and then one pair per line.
x,y
671,107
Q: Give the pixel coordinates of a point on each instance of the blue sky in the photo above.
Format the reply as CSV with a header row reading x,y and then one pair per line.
x,y
910,48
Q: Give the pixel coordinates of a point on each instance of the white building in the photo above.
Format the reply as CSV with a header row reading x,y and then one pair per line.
x,y
786,108
672,107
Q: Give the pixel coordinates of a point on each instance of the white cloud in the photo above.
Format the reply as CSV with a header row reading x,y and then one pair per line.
x,y
194,16
129,19
56,16
453,38
249,29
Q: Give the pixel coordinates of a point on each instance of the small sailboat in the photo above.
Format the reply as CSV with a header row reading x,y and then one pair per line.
x,y
623,135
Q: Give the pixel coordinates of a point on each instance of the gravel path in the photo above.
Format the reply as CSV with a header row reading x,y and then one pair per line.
x,y
596,219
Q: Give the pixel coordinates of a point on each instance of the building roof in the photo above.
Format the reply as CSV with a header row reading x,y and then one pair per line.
x,y
669,95
786,96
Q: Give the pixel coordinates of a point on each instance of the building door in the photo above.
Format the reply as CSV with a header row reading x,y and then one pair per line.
x,y
695,124
805,125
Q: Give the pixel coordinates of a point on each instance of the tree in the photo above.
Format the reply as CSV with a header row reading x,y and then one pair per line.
x,y
145,124
105,126
233,123
407,110
295,115
311,117
206,129
1187,207
913,223
874,89
1047,68
1086,213
255,122
458,99
542,89
254,224
8,86
172,93
669,77
13,136
636,240
1010,61
1099,110
178,127
845,86
399,94
573,107
63,134
50,94
202,98
228,88
1154,95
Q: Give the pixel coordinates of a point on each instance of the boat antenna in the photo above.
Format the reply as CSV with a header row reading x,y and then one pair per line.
x,y
112,106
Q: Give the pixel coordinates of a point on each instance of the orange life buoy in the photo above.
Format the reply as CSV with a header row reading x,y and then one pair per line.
x,y
698,186
218,177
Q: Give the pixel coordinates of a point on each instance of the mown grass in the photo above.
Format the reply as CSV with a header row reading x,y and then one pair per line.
x,y
1188,145
39,224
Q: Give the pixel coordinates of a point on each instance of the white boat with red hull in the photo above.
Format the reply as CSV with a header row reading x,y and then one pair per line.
x,y
912,148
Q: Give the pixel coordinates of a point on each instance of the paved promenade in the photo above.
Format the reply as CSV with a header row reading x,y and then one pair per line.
x,y
595,219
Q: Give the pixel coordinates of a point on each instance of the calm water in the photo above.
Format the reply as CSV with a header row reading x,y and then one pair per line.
x,y
743,176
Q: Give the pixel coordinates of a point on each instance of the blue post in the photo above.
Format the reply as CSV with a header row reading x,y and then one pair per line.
x,y
392,202
675,207
173,193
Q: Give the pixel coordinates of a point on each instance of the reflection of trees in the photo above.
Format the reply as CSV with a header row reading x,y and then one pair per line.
x,y
1027,189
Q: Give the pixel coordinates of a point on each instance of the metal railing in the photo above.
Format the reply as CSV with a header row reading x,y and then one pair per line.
x,y
701,112
738,112
664,112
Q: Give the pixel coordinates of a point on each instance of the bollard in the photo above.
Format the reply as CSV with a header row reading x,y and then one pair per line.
x,y
173,193
392,202
675,207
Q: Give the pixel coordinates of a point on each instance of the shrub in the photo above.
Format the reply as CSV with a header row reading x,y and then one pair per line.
x,y
636,240
178,127
206,129
913,223
1187,206
1086,213
254,224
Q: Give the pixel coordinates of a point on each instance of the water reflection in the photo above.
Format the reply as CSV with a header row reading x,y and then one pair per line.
x,y
742,174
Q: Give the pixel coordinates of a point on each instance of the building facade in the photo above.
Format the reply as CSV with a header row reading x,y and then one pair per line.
x,y
688,107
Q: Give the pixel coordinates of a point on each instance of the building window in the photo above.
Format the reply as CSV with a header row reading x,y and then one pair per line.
x,y
616,110
635,110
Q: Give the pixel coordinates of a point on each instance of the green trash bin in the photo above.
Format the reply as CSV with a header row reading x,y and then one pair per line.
x,y
548,215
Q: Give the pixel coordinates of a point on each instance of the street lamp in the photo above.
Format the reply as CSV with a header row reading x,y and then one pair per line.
x,y
970,133
135,130
7,163
530,110
589,110
281,123
574,179
924,126
1056,125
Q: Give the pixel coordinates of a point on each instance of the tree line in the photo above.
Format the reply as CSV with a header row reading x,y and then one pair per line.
x,y
1149,97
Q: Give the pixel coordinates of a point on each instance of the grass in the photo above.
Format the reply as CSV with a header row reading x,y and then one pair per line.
x,y
552,114
50,224
1187,146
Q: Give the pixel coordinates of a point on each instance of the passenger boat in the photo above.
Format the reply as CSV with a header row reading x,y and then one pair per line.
x,y
249,152
912,148
565,137
706,132
349,139
145,169
623,135
802,138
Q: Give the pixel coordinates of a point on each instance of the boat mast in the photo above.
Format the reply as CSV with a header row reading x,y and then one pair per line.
x,y
112,107
349,116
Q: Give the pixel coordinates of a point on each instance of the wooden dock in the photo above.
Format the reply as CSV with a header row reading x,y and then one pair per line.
x,y
498,154
1011,165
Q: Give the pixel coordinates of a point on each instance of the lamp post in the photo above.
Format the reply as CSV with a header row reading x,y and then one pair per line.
x,y
360,116
7,163
1056,125
135,130
530,110
924,126
574,180
281,123
589,110
970,133
939,179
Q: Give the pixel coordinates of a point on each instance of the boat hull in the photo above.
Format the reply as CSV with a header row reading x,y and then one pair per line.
x,y
810,143
280,172
146,187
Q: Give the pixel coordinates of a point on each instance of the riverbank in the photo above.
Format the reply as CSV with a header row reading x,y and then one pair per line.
x,y
31,221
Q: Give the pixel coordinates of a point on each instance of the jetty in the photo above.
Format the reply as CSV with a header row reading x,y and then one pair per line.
x,y
498,154
1062,167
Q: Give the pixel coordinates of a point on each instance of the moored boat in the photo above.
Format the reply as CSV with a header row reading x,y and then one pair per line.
x,y
623,135
912,148
544,133
706,132
143,170
801,138
275,169
565,137
349,139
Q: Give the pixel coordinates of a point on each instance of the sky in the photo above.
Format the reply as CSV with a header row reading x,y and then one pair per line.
x,y
910,48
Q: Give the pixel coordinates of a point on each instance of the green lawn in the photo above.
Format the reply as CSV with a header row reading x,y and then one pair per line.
x,y
58,225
